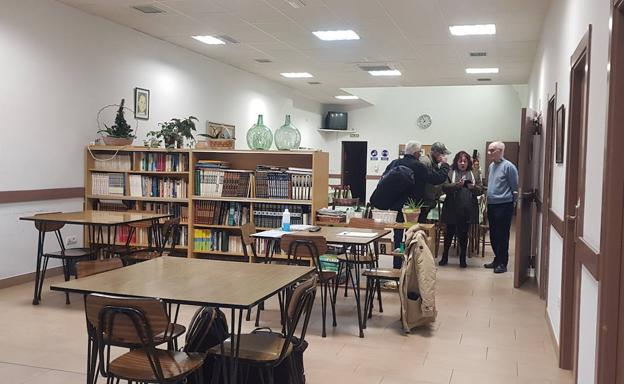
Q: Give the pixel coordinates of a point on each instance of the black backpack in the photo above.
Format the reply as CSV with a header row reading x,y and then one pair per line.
x,y
393,187
208,328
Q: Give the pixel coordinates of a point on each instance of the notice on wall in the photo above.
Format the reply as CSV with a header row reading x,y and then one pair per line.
x,y
384,155
373,154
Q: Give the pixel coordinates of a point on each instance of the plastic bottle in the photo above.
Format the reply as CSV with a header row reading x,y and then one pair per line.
x,y
286,221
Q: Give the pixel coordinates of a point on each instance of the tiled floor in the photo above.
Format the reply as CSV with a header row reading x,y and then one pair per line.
x,y
486,332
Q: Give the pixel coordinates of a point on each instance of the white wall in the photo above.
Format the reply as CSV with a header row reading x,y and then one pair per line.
x,y
566,23
464,118
60,66
553,307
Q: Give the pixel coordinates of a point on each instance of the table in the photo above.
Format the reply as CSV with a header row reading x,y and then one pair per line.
x,y
222,284
333,236
95,221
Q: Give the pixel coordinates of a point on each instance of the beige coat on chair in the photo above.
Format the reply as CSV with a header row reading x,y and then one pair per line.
x,y
417,275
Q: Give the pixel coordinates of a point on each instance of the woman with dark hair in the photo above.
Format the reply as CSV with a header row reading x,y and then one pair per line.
x,y
460,207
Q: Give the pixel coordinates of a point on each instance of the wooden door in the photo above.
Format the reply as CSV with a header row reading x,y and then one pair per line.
x,y
526,208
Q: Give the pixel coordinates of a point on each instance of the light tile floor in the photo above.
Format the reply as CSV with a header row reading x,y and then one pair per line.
x,y
486,332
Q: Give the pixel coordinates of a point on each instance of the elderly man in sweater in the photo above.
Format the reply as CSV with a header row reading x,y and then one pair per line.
x,y
501,189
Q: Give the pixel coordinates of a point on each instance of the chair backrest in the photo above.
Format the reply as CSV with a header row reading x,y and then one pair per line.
x,y
358,222
93,267
47,226
298,247
169,232
248,241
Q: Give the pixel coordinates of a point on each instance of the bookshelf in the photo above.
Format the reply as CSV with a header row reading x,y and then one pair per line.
x,y
213,201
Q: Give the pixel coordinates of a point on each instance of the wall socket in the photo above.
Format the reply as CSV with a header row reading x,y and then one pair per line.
x,y
71,240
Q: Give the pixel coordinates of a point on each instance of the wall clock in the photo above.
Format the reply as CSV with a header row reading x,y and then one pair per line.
x,y
423,121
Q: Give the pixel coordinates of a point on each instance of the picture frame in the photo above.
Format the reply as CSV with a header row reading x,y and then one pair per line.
x,y
141,103
220,130
559,134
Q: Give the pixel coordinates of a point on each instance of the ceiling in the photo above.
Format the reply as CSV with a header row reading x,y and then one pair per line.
x,y
409,35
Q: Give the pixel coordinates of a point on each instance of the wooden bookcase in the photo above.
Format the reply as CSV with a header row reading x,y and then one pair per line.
x,y
317,161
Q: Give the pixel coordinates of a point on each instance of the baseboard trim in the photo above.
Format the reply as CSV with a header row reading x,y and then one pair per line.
x,y
28,277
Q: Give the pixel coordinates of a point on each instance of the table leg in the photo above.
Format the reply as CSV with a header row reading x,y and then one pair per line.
x,y
38,267
235,343
355,282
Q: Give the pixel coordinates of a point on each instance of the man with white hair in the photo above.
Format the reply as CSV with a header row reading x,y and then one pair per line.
x,y
502,185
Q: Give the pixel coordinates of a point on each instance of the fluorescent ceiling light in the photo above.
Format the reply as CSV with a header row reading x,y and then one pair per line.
x,y
347,97
337,35
390,72
481,70
296,75
209,40
469,30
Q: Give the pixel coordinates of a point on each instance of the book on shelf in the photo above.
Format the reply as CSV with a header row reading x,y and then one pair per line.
x,y
216,240
156,186
107,183
221,213
119,162
111,205
222,182
284,184
269,215
163,162
140,237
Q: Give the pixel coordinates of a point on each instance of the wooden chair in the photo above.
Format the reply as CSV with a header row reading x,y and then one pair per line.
x,y
354,257
167,233
68,256
126,249
298,247
248,241
93,267
264,350
133,323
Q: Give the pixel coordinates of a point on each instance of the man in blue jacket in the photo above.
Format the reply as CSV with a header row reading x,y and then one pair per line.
x,y
501,189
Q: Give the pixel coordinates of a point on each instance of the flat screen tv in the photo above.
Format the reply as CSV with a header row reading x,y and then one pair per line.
x,y
336,120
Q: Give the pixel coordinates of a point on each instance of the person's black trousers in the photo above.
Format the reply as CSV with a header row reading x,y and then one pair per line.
x,y
461,230
398,239
499,217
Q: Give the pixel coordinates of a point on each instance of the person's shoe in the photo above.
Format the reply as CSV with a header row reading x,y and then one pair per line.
x,y
490,265
443,261
390,285
462,264
500,269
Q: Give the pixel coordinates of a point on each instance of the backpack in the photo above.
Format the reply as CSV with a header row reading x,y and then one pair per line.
x,y
281,373
207,328
393,187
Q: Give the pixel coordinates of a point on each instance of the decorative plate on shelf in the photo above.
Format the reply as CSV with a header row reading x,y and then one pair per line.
x,y
423,121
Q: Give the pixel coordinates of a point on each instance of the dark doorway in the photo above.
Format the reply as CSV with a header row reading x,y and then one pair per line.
x,y
354,168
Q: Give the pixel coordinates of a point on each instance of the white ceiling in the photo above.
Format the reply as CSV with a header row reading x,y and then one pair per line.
x,y
411,35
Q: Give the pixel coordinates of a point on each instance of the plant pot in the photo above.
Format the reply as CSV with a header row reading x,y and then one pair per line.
x,y
411,215
118,141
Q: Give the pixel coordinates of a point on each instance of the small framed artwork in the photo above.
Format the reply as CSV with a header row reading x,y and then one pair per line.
x,y
560,134
141,103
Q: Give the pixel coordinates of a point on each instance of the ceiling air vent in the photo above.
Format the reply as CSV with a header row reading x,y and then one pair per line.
x,y
263,61
478,54
314,82
484,79
296,3
227,38
369,68
147,9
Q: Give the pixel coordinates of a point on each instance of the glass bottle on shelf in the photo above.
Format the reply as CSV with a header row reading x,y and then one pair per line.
x,y
259,136
287,136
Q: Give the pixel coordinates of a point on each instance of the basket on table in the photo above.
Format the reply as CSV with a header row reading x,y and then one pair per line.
x,y
385,216
329,219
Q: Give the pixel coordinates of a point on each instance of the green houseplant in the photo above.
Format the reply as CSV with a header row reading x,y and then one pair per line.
x,y
174,132
411,210
119,133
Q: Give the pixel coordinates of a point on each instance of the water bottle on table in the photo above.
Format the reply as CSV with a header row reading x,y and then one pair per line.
x,y
286,221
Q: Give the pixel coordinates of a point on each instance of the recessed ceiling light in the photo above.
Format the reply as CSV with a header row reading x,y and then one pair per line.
x,y
469,30
209,40
296,75
337,35
481,70
347,97
389,72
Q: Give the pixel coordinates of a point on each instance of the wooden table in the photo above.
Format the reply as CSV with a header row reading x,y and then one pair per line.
x,y
222,284
95,221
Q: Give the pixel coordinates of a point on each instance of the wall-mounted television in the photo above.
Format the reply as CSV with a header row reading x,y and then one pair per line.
x,y
336,120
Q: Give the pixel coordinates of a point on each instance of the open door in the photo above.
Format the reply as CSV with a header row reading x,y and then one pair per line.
x,y
354,168
526,210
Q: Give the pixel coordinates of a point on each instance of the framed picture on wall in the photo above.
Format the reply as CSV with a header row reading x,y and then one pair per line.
x,y
560,132
141,103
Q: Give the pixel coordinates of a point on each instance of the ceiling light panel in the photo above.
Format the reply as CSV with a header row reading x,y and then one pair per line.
x,y
296,75
390,72
473,71
210,40
347,97
473,30
337,35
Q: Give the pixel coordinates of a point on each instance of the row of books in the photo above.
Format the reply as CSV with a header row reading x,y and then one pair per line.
x,y
222,183
140,237
176,209
216,240
284,184
163,162
153,186
107,183
221,213
270,215
119,162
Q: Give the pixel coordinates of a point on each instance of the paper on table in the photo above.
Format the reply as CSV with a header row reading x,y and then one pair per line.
x,y
357,234
300,227
271,233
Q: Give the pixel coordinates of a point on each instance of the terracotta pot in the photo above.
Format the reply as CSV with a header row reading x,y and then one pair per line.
x,y
118,141
411,215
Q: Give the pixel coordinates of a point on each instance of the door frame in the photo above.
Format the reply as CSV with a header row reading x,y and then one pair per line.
x,y
574,255
610,336
547,172
342,164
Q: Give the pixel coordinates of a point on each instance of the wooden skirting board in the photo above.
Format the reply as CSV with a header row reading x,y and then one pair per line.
x,y
28,277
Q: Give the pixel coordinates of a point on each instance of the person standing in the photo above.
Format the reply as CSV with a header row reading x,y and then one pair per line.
x,y
461,207
432,191
502,186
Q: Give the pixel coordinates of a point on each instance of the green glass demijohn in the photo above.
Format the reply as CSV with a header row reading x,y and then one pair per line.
x,y
259,136
287,136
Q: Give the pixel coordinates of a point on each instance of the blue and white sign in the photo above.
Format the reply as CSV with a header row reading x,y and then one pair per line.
x,y
373,154
384,154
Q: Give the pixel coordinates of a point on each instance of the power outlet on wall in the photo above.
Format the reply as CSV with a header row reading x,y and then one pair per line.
x,y
71,240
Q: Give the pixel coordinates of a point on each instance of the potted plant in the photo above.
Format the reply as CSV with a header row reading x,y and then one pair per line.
x,y
411,210
174,132
119,133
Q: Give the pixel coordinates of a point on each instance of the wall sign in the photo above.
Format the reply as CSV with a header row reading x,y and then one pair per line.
x,y
373,154
384,154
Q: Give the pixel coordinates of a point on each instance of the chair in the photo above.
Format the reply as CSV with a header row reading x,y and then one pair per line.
x,y
68,256
93,267
357,256
266,350
163,235
248,241
484,228
298,247
133,323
